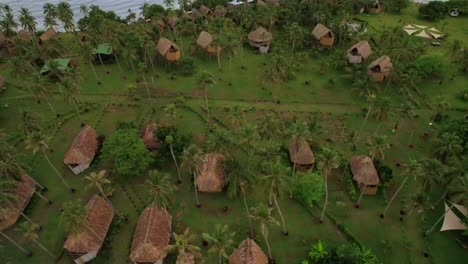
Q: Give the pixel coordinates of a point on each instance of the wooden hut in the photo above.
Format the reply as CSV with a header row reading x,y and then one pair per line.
x,y
48,34
81,153
248,252
211,177
359,52
380,68
220,11
25,35
204,41
149,138
301,155
324,35
376,8
365,174
205,11
84,246
260,38
23,192
152,236
169,50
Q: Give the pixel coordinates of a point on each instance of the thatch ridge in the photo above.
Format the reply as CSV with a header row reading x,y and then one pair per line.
x,y
248,252
152,236
83,148
260,34
301,154
211,177
364,171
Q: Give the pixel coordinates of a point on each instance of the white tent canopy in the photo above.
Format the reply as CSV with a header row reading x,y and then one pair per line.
x,y
423,31
451,220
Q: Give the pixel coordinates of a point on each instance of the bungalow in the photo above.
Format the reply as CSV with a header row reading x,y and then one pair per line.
x,y
365,174
301,155
211,177
169,50
81,153
380,68
359,52
248,252
260,38
204,41
324,35
48,34
149,138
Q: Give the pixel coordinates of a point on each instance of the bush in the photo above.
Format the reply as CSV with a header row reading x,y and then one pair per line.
x,y
187,67
178,145
429,65
308,187
433,10
395,6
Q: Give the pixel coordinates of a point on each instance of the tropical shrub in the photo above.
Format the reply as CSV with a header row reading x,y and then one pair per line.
x,y
430,64
436,10
395,6
187,67
308,187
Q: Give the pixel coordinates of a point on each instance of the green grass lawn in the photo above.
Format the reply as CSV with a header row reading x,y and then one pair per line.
x,y
110,103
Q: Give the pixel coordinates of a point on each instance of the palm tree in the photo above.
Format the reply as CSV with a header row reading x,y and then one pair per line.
x,y
171,111
50,15
406,110
447,146
277,181
143,68
318,252
37,142
70,90
8,24
220,241
270,126
40,87
262,215
413,168
236,115
433,173
381,108
74,219
204,80
300,134
87,52
295,35
371,99
191,161
183,245
16,244
376,146
27,20
65,14
29,232
419,202
219,141
98,180
327,161
160,189
440,104
170,140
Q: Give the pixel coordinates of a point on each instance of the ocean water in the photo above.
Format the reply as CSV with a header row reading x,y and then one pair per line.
x,y
120,7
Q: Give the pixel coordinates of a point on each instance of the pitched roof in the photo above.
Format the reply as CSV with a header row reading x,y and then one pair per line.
x,y
362,48
204,39
364,171
211,177
248,252
62,64
164,45
99,215
103,48
220,11
149,137
25,35
260,34
83,148
152,236
320,31
48,34
204,10
301,154
384,64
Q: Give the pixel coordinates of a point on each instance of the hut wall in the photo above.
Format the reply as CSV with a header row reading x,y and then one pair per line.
x,y
378,76
259,44
86,257
370,189
79,168
355,59
327,41
213,49
173,56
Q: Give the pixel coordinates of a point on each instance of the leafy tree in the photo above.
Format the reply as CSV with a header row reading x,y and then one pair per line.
x,y
262,215
160,189
327,161
308,187
190,163
434,10
395,6
220,241
430,65
128,152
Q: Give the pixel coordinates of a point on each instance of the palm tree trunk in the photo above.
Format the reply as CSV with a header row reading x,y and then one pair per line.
x,y
103,195
51,106
220,258
55,169
438,220
285,231
195,188
94,232
440,199
265,236
45,249
94,71
248,213
16,244
394,195
358,203
326,197
23,215
146,86
175,163
218,55
364,123
118,63
150,59
207,107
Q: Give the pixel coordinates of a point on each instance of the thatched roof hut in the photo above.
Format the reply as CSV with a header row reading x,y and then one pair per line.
x,y
364,173
211,177
25,35
205,11
87,244
359,52
172,21
204,40
220,11
82,151
48,34
324,35
152,236
376,8
168,49
248,252
149,137
260,38
23,192
301,154
380,68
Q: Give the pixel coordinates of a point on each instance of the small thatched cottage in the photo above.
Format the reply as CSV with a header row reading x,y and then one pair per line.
x,y
152,236
359,52
205,11
220,11
324,35
25,35
85,246
260,38
248,252
301,155
204,40
211,177
48,34
169,50
149,137
380,68
81,153
376,8
23,192
365,174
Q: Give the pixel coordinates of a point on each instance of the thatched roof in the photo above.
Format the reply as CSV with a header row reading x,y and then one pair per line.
x,y
248,252
260,35
364,171
164,45
301,154
362,48
204,10
211,177
48,34
84,147
195,13
172,21
320,31
205,39
152,236
220,11
382,64
24,191
149,138
99,215
25,35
